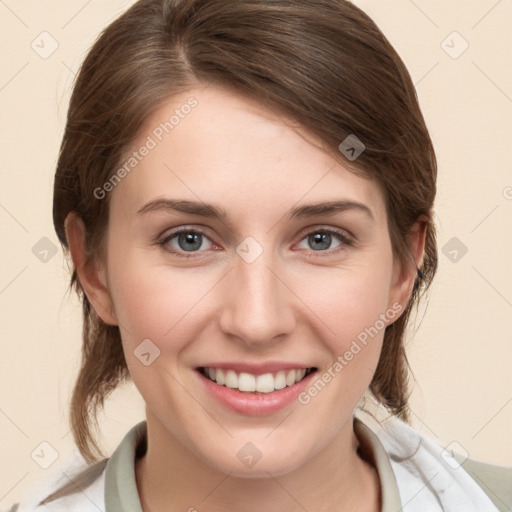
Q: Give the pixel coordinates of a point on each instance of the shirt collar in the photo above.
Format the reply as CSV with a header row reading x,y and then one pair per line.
x,y
121,493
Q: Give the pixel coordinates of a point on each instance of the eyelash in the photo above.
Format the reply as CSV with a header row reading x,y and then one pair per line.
x,y
343,238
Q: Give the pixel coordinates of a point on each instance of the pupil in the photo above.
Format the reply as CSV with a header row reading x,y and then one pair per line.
x,y
322,237
189,238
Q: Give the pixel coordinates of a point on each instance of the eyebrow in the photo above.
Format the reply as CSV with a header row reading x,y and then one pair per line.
x,y
216,212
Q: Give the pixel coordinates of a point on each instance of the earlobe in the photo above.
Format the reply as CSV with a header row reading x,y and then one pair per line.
x,y
92,276
404,275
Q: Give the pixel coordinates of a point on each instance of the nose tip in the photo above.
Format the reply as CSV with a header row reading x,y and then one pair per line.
x,y
256,305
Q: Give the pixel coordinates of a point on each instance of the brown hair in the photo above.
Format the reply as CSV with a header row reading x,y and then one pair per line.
x,y
323,63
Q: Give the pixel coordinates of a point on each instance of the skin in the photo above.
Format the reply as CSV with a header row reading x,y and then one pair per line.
x,y
295,302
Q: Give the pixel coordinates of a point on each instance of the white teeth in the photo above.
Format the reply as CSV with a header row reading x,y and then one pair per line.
x,y
231,379
266,383
246,382
299,374
290,378
219,376
280,380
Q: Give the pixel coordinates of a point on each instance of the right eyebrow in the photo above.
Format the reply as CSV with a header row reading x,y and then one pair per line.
x,y
185,206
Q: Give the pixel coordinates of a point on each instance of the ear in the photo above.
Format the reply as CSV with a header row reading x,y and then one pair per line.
x,y
91,274
404,275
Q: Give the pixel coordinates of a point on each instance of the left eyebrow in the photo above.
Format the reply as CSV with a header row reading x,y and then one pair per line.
x,y
216,212
329,208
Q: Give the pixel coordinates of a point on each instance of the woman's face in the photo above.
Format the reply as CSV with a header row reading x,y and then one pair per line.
x,y
261,286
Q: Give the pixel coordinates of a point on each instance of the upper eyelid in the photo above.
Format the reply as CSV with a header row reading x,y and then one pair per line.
x,y
184,229
335,230
205,230
341,232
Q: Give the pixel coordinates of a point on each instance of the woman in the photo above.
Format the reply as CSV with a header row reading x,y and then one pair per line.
x,y
246,191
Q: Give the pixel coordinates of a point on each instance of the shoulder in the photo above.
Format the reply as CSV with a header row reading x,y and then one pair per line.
x,y
70,489
452,476
495,480
429,475
79,487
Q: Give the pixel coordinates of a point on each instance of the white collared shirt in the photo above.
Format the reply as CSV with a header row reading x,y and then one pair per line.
x,y
416,475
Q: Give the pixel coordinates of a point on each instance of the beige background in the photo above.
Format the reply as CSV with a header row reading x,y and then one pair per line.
x,y
461,355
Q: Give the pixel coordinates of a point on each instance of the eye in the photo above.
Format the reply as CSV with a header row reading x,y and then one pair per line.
x,y
320,240
187,240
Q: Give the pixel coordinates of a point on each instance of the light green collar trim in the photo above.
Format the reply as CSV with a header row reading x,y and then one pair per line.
x,y
121,493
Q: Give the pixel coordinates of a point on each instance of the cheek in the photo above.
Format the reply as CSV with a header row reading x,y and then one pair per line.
x,y
346,300
158,302
352,311
152,304
156,314
350,304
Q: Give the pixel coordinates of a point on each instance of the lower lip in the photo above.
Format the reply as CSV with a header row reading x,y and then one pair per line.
x,y
252,404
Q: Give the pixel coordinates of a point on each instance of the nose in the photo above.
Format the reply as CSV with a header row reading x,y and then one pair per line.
x,y
257,303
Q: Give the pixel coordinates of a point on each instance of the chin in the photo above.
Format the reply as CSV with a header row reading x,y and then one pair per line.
x,y
263,469
240,458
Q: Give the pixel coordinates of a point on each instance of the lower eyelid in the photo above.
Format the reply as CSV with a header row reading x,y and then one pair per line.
x,y
343,238
165,241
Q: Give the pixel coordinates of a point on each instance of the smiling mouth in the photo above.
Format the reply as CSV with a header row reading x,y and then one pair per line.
x,y
258,384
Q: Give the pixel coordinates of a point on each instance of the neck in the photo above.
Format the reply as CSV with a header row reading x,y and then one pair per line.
x,y
170,477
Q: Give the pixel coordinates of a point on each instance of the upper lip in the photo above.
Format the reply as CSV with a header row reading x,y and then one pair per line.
x,y
256,368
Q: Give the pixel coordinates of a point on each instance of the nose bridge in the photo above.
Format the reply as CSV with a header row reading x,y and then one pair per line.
x,y
257,305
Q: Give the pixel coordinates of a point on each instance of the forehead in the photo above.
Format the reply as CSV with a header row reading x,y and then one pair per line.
x,y
217,146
